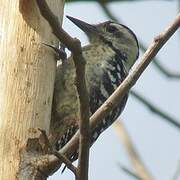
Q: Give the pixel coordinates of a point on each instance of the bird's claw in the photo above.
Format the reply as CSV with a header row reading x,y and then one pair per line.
x,y
60,52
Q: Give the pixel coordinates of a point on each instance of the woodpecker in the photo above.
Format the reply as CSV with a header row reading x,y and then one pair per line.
x,y
112,50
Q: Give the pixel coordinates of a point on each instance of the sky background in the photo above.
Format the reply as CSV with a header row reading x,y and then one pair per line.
x,y
157,142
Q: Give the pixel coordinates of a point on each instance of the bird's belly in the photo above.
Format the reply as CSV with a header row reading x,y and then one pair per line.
x,y
110,80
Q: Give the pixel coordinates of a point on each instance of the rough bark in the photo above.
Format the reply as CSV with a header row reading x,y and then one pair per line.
x,y
27,72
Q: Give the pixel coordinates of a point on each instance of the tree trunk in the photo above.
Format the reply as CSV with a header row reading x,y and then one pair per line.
x,y
27,73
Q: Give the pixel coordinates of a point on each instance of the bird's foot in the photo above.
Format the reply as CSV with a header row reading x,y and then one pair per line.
x,y
60,51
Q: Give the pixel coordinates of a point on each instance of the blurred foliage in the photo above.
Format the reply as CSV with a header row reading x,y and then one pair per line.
x,y
108,1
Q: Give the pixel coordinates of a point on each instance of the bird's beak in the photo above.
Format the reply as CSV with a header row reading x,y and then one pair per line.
x,y
87,28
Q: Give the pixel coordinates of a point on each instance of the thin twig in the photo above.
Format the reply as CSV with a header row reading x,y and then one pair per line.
x,y
66,161
130,80
155,62
140,168
155,109
129,172
74,45
61,157
177,172
166,72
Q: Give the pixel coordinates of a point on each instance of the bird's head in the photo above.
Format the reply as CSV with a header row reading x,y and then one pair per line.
x,y
117,36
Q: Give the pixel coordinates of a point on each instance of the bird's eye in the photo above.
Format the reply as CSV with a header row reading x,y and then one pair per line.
x,y
111,29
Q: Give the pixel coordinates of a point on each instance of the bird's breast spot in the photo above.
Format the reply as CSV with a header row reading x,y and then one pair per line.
x,y
100,103
118,67
104,92
119,75
111,76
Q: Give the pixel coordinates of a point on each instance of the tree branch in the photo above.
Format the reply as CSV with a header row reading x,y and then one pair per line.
x,y
139,166
134,75
156,63
155,109
74,45
129,172
61,157
177,172
130,80
160,67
